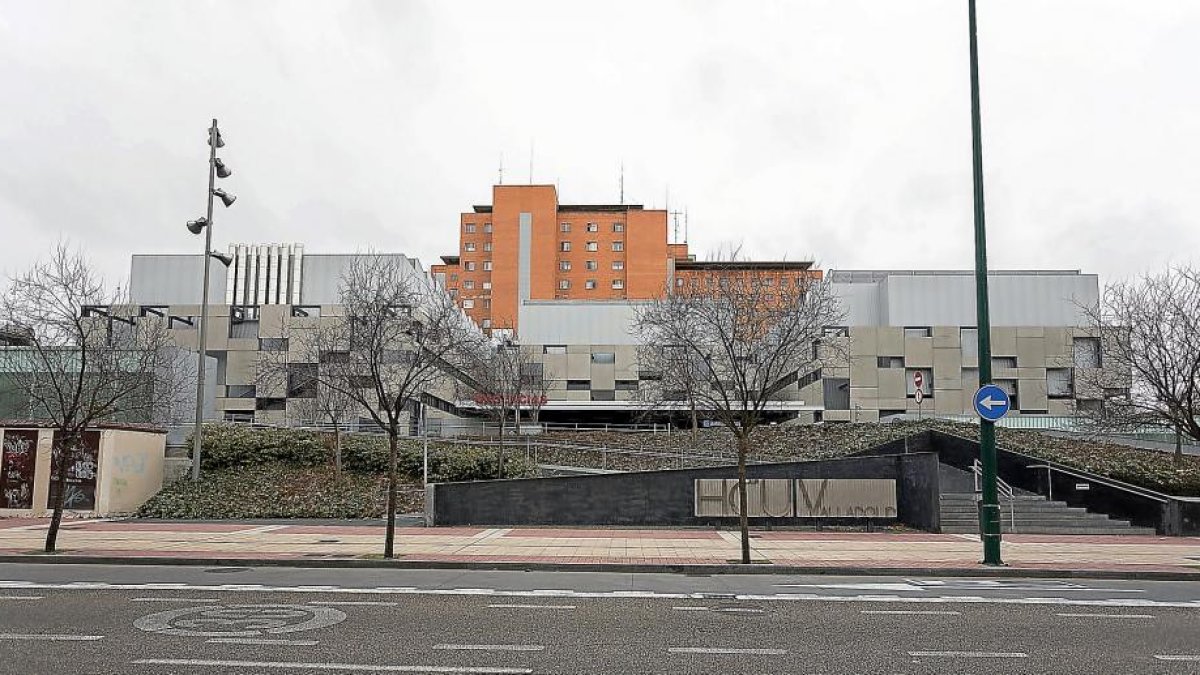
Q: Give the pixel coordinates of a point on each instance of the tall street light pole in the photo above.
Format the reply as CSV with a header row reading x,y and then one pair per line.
x,y
215,168
989,520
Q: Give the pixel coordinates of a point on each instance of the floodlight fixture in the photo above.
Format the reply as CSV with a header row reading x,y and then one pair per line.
x,y
197,226
226,198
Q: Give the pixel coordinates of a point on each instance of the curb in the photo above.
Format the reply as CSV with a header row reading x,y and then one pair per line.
x,y
684,569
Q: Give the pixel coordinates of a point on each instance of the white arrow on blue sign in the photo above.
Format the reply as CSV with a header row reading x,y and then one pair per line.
x,y
992,402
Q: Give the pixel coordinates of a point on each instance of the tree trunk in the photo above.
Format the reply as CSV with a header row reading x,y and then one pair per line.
x,y
66,449
393,452
337,448
743,444
1178,447
695,427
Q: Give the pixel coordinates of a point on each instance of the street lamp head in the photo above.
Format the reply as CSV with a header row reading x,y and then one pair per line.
x,y
226,198
225,259
220,141
197,226
222,170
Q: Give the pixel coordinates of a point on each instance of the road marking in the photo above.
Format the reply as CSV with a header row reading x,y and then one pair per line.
x,y
491,648
20,597
174,600
532,606
353,603
975,655
261,530
261,641
358,667
405,590
739,610
726,650
690,608
50,637
923,612
1177,657
1106,616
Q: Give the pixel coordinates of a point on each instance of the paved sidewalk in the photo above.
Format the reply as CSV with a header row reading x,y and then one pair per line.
x,y
585,546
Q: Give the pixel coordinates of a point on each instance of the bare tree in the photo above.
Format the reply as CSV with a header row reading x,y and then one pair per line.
x,y
741,338
505,379
1150,375
86,357
399,337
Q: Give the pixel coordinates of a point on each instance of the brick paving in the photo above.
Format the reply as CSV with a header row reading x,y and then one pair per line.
x,y
567,546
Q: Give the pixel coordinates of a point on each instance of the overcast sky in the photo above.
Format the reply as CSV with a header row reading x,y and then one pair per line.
x,y
833,130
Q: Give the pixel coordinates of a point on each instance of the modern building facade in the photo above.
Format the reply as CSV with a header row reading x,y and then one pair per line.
x,y
526,246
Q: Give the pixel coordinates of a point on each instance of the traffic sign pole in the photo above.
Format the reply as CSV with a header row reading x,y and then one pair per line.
x,y
989,521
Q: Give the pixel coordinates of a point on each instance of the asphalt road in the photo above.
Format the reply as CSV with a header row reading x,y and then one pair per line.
x,y
67,619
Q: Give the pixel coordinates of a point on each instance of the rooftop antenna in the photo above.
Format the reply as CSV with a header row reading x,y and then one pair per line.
x,y
685,224
622,183
675,215
501,168
531,161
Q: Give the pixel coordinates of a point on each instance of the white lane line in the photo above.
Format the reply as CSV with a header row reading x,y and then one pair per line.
x,y
974,655
1177,657
491,648
502,606
353,603
739,610
726,650
1082,615
923,612
690,608
356,667
51,638
261,641
21,597
174,600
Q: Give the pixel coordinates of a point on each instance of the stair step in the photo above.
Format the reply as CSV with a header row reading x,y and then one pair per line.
x,y
1044,522
1145,531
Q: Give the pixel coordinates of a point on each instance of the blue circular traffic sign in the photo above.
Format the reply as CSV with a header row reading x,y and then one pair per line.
x,y
992,402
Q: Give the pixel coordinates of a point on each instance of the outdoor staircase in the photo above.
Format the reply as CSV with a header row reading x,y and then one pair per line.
x,y
1032,514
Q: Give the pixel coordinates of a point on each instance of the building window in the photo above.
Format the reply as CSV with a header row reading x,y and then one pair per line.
x,y
618,246
579,385
999,362
564,246
604,395
302,380
487,285
1010,388
564,227
604,357
969,340
467,304
471,267
592,246
592,227
768,281
270,404
487,227
272,344
618,227
469,284
453,277
469,228
891,361
910,387
627,385
487,303
240,391
564,284
918,332
469,246
590,264
1060,383
835,331
487,323
306,311
487,246
554,349
1087,353
590,284
564,265
618,264
679,282
618,283
837,393
487,265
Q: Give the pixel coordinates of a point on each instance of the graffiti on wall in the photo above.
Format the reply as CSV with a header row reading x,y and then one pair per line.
x,y
84,460
803,498
17,459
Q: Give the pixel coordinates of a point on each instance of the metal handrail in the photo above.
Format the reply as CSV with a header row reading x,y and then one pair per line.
x,y
1004,489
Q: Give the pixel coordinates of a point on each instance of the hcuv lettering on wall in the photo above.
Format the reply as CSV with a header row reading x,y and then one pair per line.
x,y
802,498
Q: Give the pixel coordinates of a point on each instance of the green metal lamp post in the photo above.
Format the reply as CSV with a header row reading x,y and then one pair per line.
x,y
989,521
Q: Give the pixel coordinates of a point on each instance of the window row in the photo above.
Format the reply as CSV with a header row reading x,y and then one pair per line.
x,y
565,265
592,227
471,266
469,228
469,303
590,284
469,246
565,246
469,284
